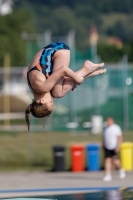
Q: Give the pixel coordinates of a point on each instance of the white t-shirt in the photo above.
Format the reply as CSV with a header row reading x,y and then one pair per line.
x,y
111,134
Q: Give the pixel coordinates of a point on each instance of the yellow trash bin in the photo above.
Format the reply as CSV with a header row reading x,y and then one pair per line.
x,y
126,155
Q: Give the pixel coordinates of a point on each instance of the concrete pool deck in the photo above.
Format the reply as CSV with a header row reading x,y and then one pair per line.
x,y
37,183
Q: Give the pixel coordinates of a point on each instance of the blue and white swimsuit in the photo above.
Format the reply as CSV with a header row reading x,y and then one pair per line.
x,y
45,64
46,57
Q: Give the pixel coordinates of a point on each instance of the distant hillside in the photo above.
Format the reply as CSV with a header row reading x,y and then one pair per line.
x,y
111,17
113,20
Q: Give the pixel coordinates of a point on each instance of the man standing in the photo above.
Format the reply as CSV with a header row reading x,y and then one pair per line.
x,y
112,139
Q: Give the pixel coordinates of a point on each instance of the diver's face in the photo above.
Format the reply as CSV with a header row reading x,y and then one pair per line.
x,y
49,103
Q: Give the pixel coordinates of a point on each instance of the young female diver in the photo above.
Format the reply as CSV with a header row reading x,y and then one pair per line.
x,y
49,76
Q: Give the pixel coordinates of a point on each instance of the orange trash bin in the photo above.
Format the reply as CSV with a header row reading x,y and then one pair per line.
x,y
77,158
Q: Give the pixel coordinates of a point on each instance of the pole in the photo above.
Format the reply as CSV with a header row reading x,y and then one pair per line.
x,y
73,99
47,37
31,141
96,92
6,97
93,40
125,93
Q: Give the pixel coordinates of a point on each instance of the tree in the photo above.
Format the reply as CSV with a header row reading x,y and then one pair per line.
x,y
11,28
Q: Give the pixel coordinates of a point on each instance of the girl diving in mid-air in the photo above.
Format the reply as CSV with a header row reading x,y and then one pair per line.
x,y
49,76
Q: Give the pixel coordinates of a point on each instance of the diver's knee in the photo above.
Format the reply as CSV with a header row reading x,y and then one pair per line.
x,y
56,93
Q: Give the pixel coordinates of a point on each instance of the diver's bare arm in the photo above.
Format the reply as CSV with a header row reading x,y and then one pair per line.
x,y
56,76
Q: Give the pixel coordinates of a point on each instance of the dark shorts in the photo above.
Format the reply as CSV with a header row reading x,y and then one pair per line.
x,y
110,153
46,61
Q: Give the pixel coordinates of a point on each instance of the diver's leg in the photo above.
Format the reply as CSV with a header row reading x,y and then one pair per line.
x,y
65,84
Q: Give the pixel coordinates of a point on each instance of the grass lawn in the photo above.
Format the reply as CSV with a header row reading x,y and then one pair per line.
x,y
33,151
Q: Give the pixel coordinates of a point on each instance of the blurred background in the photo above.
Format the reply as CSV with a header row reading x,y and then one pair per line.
x,y
100,31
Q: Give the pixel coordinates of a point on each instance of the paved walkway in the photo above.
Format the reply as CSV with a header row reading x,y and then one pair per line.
x,y
21,184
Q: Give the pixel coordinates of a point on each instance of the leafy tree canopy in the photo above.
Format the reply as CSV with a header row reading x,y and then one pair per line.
x,y
11,29
112,19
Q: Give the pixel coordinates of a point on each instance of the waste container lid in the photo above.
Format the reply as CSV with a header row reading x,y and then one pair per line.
x,y
77,147
93,147
58,148
126,145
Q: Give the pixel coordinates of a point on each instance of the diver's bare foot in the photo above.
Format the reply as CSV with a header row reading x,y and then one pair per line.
x,y
96,73
89,67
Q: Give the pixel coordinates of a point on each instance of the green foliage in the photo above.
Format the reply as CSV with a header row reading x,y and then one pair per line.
x,y
61,16
111,17
11,29
111,53
128,49
98,6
